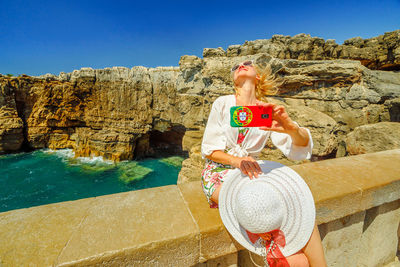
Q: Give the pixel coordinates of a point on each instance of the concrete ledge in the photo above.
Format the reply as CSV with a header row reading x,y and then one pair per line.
x,y
344,186
356,197
146,226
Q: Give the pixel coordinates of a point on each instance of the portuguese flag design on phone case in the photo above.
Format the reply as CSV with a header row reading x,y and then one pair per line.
x,y
251,116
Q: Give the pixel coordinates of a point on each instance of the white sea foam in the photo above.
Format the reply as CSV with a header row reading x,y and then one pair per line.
x,y
62,153
94,160
68,153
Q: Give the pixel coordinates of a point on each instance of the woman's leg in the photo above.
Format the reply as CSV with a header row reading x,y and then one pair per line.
x,y
215,194
298,259
314,250
311,255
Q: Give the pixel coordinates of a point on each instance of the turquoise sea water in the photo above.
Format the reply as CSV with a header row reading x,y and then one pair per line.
x,y
47,176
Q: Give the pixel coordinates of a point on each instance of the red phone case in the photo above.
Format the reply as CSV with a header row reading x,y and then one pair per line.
x,y
251,116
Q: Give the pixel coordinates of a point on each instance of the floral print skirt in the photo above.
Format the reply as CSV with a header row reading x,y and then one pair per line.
x,y
213,173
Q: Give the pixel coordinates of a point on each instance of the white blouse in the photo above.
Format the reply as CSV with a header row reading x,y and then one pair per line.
x,y
219,135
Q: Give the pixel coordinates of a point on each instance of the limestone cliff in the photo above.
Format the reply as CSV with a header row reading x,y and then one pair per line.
x,y
122,113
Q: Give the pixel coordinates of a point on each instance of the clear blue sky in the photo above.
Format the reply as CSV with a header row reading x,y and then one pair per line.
x,y
38,37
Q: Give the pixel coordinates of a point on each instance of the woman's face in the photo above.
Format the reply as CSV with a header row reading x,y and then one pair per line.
x,y
244,72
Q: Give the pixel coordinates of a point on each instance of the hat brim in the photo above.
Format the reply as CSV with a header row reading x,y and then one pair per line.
x,y
299,218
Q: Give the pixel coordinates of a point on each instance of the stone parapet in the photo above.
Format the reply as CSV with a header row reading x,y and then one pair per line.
x,y
358,212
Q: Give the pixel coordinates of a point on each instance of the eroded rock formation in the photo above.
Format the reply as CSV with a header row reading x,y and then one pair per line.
x,y
123,113
381,52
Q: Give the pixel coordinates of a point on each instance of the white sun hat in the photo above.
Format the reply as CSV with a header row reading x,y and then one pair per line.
x,y
278,199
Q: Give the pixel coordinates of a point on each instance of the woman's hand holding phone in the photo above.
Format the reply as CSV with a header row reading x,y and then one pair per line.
x,y
281,122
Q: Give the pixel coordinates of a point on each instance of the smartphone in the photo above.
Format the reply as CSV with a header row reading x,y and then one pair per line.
x,y
251,116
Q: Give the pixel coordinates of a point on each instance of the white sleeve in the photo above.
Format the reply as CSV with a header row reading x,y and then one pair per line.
x,y
213,137
283,141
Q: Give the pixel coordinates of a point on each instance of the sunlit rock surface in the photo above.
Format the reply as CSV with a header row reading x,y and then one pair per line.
x,y
123,113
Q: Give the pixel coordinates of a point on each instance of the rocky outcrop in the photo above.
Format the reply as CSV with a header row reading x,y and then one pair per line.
x,y
372,138
381,52
11,125
123,113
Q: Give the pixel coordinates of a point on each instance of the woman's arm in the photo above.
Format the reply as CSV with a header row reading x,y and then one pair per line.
x,y
299,137
248,165
222,157
213,137
294,141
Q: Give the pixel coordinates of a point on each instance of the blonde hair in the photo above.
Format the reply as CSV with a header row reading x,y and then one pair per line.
x,y
267,85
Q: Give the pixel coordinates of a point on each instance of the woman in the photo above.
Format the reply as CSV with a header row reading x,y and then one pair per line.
x,y
225,147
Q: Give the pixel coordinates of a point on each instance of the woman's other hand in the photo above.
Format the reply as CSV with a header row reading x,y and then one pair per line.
x,y
281,122
248,165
